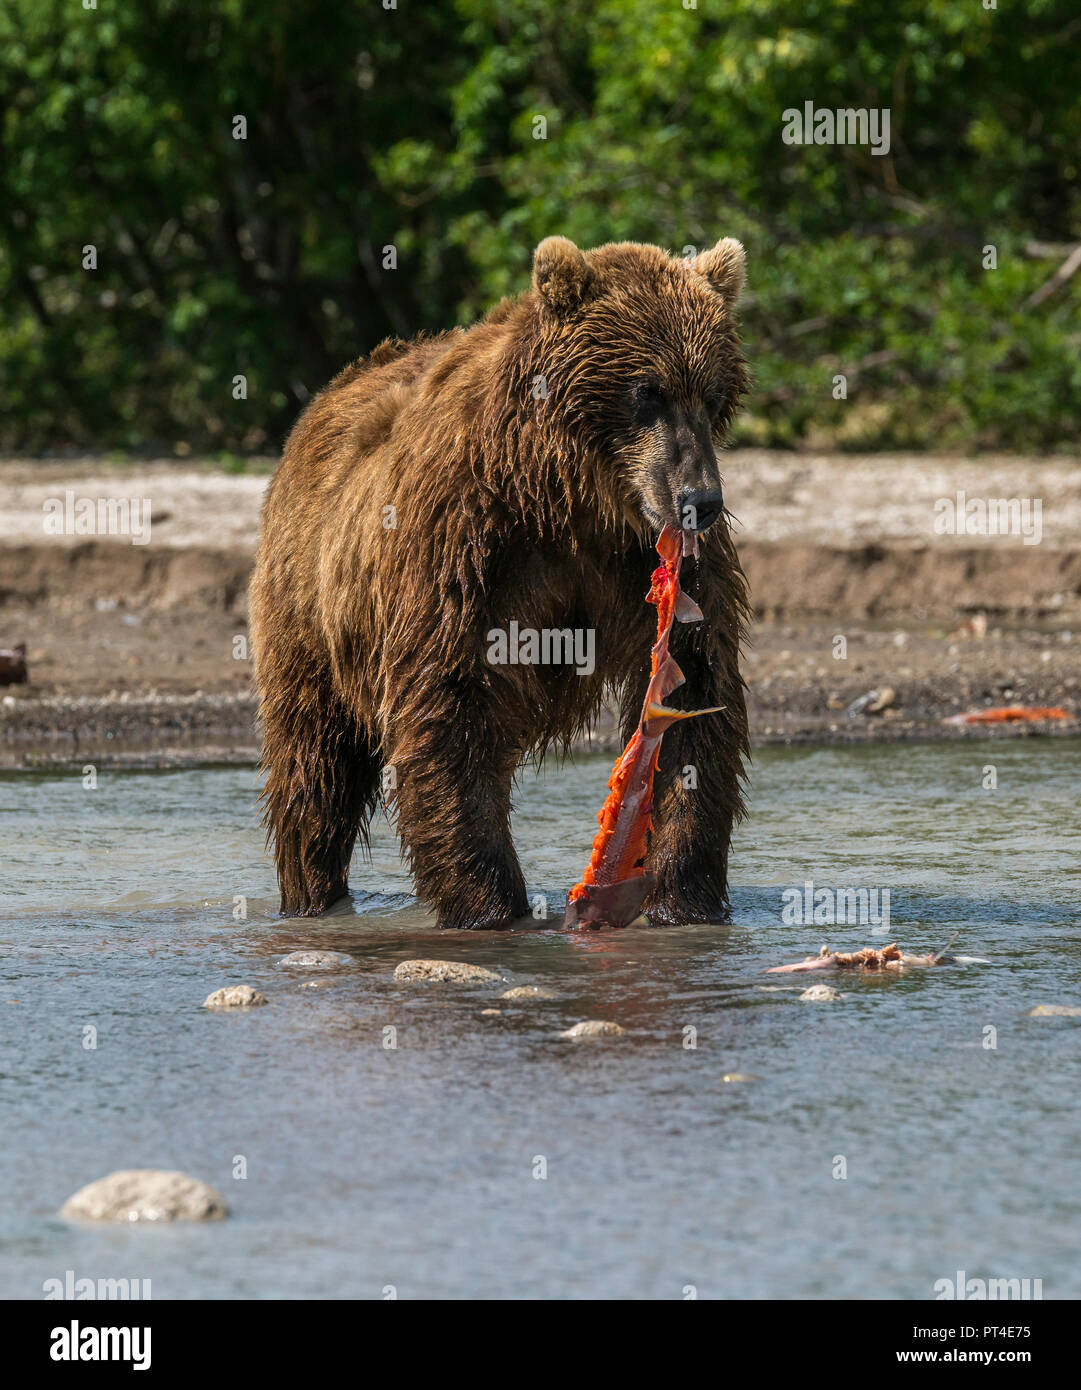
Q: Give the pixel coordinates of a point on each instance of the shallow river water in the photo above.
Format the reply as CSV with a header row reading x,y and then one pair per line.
x,y
918,1126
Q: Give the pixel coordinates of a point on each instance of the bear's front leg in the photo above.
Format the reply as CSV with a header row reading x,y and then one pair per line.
x,y
453,800
698,794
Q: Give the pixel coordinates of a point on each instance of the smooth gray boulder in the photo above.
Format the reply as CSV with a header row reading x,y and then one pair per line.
x,y
450,972
594,1028
316,960
234,997
823,994
145,1194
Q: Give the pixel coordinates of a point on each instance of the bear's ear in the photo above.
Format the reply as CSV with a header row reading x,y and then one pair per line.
x,y
725,267
561,277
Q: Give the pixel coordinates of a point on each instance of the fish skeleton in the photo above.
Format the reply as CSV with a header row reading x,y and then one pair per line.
x,y
889,957
616,882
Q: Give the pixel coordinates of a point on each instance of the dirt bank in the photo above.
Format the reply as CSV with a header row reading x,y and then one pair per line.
x,y
138,652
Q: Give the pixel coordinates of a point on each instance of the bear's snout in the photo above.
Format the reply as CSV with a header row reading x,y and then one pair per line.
x,y
699,508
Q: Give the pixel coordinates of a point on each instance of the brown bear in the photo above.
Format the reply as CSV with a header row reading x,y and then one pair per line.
x,y
515,472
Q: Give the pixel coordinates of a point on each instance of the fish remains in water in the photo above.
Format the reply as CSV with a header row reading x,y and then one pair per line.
x,y
615,883
889,957
1010,714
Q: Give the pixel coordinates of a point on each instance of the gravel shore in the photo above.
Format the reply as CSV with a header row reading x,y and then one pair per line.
x,y
137,653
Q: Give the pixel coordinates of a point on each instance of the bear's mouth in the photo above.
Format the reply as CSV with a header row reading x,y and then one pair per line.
x,y
690,534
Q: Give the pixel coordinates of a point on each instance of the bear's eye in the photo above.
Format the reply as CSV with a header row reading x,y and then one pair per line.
x,y
647,400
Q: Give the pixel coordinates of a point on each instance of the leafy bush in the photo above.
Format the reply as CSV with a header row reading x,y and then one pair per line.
x,y
417,128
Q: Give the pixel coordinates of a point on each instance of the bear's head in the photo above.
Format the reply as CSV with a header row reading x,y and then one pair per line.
x,y
643,367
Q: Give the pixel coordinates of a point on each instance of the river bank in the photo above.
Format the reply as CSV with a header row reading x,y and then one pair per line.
x,y
137,653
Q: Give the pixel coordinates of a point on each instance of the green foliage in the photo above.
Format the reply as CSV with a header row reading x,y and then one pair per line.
x,y
417,128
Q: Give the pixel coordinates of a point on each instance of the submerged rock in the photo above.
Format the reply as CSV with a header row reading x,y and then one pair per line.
x,y
595,1028
1054,1011
449,972
820,994
234,997
527,992
146,1194
316,960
